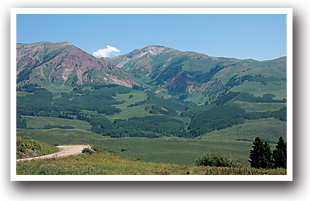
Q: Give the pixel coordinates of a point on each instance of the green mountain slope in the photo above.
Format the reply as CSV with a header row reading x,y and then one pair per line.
x,y
200,78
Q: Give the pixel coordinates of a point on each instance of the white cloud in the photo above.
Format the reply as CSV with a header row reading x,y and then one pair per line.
x,y
106,52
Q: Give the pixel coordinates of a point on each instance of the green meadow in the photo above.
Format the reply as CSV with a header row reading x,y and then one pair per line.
x,y
276,88
40,122
269,129
260,107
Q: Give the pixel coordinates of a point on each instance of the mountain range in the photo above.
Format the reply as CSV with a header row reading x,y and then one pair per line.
x,y
190,75
170,73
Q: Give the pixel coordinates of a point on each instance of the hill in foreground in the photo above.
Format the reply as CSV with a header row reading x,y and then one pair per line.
x,y
27,147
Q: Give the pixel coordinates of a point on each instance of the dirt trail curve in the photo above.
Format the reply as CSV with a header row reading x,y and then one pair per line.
x,y
64,151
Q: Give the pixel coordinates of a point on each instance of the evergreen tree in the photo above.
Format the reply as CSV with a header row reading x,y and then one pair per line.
x,y
256,154
279,154
266,159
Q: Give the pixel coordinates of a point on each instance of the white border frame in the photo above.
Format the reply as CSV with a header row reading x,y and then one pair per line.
x,y
287,11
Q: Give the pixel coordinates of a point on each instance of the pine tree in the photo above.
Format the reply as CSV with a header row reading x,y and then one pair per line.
x,y
266,158
256,154
279,154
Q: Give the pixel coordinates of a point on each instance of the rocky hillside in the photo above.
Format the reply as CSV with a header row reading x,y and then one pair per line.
x,y
63,66
199,77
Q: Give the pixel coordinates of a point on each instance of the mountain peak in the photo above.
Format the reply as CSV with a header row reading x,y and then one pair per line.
x,y
151,49
63,64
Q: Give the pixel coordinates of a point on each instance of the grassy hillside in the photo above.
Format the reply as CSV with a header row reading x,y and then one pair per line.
x,y
268,129
62,136
107,163
129,99
260,107
41,122
27,147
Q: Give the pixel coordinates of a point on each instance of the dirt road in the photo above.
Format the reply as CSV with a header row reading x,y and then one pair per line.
x,y
64,151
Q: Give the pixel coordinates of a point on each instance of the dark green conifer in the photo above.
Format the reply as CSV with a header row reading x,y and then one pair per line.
x,y
266,159
279,154
256,154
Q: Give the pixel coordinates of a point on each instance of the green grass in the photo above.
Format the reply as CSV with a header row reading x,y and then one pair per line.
x,y
177,150
40,122
276,88
260,107
105,163
267,129
128,112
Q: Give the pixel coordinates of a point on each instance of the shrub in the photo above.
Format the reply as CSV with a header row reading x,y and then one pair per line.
x,y
56,144
87,151
216,160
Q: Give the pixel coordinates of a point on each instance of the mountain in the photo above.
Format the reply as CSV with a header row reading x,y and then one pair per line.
x,y
201,78
63,66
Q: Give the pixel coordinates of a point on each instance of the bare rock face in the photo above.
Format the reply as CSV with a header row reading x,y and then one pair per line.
x,y
63,64
139,53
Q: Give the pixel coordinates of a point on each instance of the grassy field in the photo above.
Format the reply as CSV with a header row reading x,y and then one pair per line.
x,y
177,150
257,89
40,122
260,107
106,163
269,129
127,112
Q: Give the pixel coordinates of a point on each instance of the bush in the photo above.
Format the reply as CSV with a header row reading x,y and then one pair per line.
x,y
97,148
216,160
87,151
56,144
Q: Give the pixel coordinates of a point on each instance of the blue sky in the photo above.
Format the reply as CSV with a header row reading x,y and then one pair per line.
x,y
243,36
